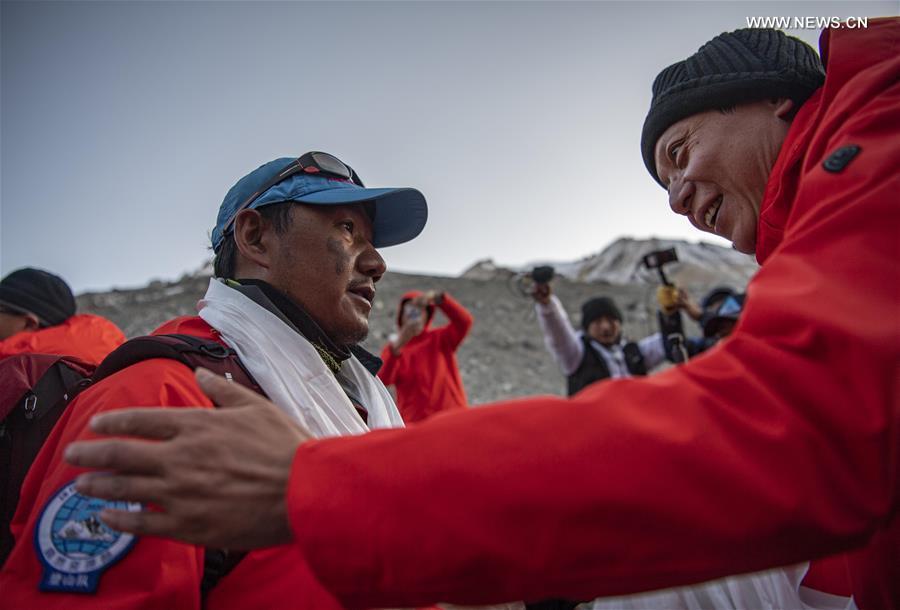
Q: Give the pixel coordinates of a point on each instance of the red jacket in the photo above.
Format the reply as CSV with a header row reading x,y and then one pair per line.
x,y
782,444
87,337
155,573
425,372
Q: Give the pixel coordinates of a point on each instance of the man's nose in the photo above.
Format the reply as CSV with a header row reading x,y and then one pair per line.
x,y
371,264
680,194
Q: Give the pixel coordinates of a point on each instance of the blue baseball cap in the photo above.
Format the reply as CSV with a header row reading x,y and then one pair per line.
x,y
400,213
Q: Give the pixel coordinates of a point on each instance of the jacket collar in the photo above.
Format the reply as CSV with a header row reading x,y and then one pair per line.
x,y
845,53
272,299
778,197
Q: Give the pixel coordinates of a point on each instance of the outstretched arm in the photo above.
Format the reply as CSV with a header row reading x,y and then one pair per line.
x,y
560,338
460,320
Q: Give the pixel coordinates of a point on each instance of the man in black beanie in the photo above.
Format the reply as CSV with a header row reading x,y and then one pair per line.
x,y
777,447
32,299
597,351
37,316
717,122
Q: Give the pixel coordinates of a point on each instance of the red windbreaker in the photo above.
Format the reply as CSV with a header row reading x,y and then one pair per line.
x,y
779,445
425,372
154,573
87,337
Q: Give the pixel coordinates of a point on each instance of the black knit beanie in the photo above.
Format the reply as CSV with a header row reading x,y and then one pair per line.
x,y
733,68
43,294
599,307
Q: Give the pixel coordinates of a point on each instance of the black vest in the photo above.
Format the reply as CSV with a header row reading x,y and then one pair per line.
x,y
593,367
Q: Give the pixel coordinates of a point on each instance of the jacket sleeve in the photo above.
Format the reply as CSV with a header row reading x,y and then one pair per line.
x,y
153,573
560,338
460,322
778,446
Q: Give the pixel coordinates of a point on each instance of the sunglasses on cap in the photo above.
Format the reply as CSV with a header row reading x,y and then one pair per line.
x,y
730,306
314,163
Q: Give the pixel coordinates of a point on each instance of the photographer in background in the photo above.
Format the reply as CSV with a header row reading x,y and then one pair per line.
x,y
420,362
720,316
597,351
716,316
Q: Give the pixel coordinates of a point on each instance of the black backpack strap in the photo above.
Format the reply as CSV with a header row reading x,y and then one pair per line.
x,y
673,337
634,359
217,564
191,351
26,427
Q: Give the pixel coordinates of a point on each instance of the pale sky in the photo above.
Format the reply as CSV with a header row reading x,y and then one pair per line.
x,y
123,124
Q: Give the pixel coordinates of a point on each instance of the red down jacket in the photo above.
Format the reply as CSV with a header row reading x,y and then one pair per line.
x,y
425,372
85,336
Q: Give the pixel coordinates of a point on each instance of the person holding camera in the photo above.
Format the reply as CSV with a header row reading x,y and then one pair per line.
x,y
717,315
597,351
420,362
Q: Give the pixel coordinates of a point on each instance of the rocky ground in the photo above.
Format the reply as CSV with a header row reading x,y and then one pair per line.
x,y
504,355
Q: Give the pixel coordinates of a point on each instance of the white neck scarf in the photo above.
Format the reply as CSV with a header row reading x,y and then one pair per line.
x,y
291,372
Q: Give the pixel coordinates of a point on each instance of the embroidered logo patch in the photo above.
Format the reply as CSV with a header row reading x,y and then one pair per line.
x,y
74,545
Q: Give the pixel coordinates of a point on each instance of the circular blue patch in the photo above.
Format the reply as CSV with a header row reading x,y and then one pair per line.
x,y
74,545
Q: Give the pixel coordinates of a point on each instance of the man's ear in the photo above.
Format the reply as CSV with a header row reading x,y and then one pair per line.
x,y
251,236
32,323
784,108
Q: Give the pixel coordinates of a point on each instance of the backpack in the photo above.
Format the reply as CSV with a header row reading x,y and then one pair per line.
x,y
37,388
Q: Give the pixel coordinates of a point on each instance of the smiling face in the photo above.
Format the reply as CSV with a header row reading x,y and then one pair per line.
x,y
716,165
327,264
605,330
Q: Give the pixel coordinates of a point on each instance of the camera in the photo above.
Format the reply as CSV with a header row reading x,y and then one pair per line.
x,y
658,258
542,274
525,282
411,313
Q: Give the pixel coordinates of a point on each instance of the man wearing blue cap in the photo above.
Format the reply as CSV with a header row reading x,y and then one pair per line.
x,y
296,268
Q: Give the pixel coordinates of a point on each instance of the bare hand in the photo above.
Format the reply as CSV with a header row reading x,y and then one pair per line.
x,y
426,299
218,476
688,304
541,293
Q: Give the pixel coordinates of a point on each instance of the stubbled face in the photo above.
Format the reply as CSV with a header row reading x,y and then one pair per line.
x,y
716,165
326,263
605,330
11,324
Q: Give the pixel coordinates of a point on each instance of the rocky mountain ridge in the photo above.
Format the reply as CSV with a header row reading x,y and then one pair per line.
x,y
504,355
621,263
